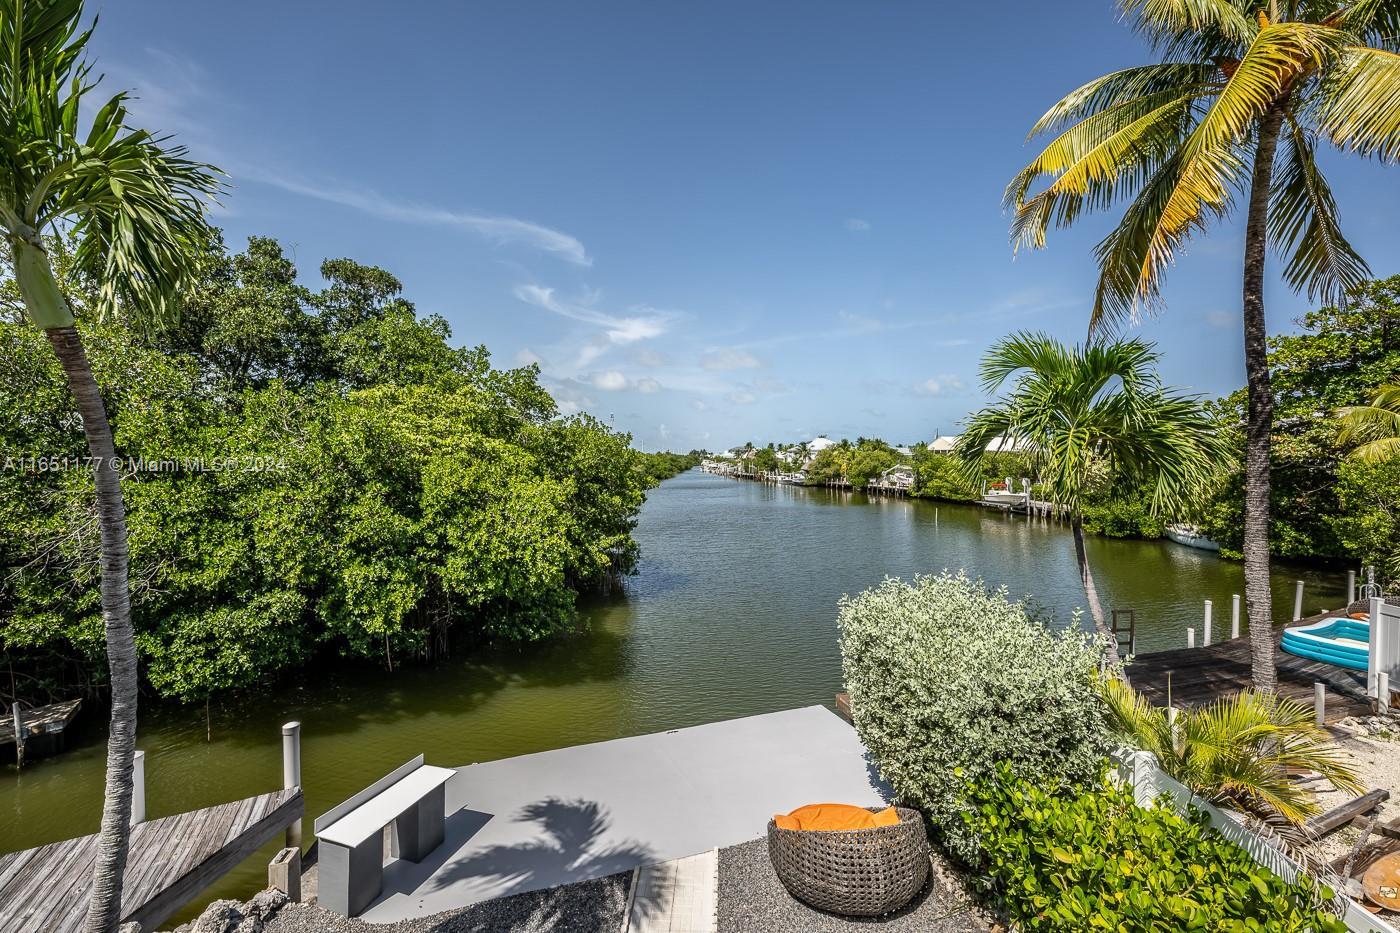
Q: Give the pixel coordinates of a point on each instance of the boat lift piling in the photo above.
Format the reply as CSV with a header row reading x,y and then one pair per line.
x,y
1205,631
1298,601
1235,616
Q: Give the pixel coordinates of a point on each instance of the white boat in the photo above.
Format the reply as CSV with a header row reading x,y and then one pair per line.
x,y
1003,496
1191,536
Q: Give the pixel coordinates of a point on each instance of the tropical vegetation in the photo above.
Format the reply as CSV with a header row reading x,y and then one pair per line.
x,y
1062,858
1092,417
1242,751
308,473
1234,111
948,679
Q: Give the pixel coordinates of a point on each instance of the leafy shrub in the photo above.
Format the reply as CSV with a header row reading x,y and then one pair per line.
x,y
946,674
1094,860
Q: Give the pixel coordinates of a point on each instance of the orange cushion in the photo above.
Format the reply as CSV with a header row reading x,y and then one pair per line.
x,y
829,817
783,821
887,817
1361,616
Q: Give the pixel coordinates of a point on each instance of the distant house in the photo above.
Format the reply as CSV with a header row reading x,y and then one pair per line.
x,y
904,451
819,443
943,444
900,477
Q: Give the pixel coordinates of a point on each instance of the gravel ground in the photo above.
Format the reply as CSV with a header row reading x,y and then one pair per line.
x,y
753,900
1376,755
585,907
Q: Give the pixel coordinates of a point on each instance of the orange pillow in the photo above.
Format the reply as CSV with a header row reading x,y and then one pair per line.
x,y
834,817
887,817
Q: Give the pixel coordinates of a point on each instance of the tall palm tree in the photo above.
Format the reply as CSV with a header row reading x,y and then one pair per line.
x,y
135,205
1088,416
1235,110
1374,427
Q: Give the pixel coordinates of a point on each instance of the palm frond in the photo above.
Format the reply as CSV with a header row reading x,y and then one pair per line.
x,y
1359,105
1303,224
1374,22
1168,20
1129,84
1094,161
1375,427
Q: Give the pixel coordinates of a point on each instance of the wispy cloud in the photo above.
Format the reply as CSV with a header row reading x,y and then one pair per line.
x,y
647,385
727,358
498,229
645,323
610,381
856,225
940,385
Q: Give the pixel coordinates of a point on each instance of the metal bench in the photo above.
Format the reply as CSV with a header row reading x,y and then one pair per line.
x,y
351,835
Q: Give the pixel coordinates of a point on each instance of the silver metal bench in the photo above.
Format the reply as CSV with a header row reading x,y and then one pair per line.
x,y
351,835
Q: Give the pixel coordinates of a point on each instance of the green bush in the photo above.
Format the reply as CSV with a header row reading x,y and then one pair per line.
x,y
946,674
1057,859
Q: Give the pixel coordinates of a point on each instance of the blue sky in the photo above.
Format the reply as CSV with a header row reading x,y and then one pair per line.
x,y
708,222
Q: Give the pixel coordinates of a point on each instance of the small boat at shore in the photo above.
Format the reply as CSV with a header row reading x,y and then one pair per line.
x,y
1191,536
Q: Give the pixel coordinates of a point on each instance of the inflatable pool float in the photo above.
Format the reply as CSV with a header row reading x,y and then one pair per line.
x,y
1344,642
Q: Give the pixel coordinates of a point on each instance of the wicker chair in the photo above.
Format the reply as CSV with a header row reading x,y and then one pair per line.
x,y
858,873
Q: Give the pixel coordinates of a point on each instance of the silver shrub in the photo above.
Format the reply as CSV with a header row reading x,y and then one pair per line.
x,y
948,677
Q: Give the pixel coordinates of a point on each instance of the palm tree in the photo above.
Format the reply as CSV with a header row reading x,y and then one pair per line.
x,y
1088,416
1243,751
1245,91
134,205
1376,427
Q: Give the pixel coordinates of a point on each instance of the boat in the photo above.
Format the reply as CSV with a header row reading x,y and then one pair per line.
x,y
1002,496
1345,642
1191,536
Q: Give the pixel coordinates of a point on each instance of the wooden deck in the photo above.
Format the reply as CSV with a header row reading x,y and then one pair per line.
x,y
1202,674
171,861
43,728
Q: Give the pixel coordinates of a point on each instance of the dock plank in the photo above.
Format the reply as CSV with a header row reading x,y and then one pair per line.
x,y
171,861
1205,673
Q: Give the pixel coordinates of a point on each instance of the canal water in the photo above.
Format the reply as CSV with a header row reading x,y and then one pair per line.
x,y
733,613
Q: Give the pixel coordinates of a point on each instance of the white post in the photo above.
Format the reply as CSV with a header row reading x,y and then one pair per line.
x,y
1320,704
1205,632
291,773
138,788
19,733
1383,693
1298,602
1351,587
1235,616
1190,637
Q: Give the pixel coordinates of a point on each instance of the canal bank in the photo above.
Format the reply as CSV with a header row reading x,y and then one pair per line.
x,y
732,614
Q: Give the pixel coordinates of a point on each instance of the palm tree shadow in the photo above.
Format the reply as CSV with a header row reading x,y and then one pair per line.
x,y
566,851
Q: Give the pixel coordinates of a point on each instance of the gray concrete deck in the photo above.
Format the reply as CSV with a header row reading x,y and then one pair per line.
x,y
578,813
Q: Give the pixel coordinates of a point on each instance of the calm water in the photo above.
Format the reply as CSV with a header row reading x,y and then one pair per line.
x,y
732,614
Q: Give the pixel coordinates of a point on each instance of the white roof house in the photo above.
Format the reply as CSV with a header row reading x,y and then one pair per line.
x,y
943,443
819,443
1006,444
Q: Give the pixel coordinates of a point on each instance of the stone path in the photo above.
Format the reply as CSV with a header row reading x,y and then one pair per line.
x,y
678,896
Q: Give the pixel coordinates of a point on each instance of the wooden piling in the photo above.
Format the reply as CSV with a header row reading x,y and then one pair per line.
x,y
1298,601
291,774
1235,616
1190,637
1205,632
19,733
138,787
1351,587
1382,692
1320,704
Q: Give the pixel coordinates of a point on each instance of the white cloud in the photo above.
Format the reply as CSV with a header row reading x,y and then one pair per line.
x,y
647,385
645,324
856,225
610,381
954,342
699,405
742,397
650,358
946,382
497,228
526,357
729,358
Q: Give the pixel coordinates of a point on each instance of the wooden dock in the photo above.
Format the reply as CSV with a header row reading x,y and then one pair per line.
x,y
1202,674
172,860
43,728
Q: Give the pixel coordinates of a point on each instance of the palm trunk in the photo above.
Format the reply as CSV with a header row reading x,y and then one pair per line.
x,y
1091,594
1260,418
104,908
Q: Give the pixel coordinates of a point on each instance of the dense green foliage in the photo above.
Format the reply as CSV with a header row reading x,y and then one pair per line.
x,y
1065,859
308,472
662,465
947,677
854,462
1321,506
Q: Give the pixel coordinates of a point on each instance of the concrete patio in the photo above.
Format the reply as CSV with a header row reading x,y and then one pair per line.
x,y
579,813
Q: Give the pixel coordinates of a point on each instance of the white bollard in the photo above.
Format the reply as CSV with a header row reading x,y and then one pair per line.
x,y
1383,692
1351,587
1320,704
1190,637
19,733
1205,632
1298,602
291,773
138,788
1235,616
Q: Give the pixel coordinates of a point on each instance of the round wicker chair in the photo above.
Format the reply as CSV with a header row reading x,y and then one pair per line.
x,y
858,873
